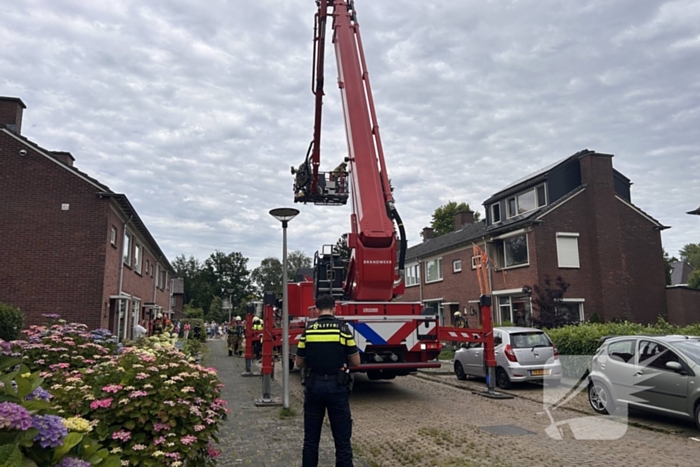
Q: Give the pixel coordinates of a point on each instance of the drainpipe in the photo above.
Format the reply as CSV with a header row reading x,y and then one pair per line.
x,y
121,273
155,282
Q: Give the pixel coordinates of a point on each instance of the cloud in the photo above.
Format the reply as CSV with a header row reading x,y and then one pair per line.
x,y
198,113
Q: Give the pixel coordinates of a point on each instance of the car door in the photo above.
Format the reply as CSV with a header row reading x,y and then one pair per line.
x,y
474,359
618,364
660,387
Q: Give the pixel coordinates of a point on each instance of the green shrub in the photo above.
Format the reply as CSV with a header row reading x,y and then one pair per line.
x,y
11,322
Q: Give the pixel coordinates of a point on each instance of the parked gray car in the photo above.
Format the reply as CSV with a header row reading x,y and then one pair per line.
x,y
522,354
655,373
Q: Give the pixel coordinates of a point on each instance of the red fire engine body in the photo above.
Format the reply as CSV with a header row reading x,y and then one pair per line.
x,y
394,338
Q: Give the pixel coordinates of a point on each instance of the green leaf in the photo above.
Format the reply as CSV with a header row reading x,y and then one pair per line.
x,y
5,452
28,463
15,458
71,440
130,424
111,461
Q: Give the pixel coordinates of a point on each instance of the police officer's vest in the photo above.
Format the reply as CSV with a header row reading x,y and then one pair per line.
x,y
326,345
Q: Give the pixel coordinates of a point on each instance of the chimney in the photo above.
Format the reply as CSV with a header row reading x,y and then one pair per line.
x,y
11,113
462,218
428,233
64,156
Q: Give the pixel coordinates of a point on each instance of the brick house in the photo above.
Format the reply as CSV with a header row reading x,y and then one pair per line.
x,y
574,218
70,245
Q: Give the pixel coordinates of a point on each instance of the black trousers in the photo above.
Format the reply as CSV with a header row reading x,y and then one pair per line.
x,y
321,397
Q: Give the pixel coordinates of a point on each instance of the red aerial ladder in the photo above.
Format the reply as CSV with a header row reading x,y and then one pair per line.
x,y
395,338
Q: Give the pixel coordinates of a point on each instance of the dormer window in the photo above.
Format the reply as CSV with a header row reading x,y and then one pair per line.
x,y
527,201
495,213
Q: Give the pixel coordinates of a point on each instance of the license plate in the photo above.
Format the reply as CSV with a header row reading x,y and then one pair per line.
x,y
539,372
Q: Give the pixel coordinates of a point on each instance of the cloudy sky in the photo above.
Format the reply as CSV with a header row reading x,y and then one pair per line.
x,y
196,110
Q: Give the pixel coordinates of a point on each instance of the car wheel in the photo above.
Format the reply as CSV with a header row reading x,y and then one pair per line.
x,y
459,371
600,399
552,383
502,379
697,416
230,353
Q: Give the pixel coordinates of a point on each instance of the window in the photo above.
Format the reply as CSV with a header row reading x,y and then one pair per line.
x,y
148,266
113,237
163,276
138,257
135,314
413,275
439,308
433,270
567,250
655,355
515,251
497,339
571,311
476,261
511,207
515,309
127,248
457,265
622,351
495,213
527,201
167,281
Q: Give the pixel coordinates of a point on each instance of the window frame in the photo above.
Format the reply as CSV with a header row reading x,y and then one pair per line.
x,y
127,247
138,257
113,237
455,269
567,235
495,207
474,263
632,360
439,270
516,206
527,252
413,280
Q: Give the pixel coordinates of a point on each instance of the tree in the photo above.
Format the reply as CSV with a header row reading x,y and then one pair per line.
x,y
345,251
224,272
667,266
694,279
268,276
444,217
547,302
691,254
192,312
216,311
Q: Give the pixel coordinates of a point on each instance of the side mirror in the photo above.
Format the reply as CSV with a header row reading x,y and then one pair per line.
x,y
675,366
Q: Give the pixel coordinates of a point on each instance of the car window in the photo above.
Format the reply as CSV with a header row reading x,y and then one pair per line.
x,y
497,339
690,348
655,355
526,340
622,351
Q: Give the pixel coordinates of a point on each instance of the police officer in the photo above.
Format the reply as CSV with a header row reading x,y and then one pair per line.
x,y
326,348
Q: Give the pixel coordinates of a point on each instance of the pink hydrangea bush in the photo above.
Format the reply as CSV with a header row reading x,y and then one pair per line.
x,y
152,405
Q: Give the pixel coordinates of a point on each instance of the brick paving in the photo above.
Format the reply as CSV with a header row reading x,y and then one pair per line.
x,y
412,421
258,436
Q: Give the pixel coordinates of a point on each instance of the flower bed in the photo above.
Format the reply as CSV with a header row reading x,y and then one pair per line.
x,y
32,434
148,402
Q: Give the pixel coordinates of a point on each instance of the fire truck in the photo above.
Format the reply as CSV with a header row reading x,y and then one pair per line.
x,y
395,338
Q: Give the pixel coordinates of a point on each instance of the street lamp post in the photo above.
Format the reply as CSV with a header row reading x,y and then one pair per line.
x,y
285,215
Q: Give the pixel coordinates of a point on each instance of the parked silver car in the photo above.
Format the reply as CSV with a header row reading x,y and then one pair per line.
x,y
656,373
522,354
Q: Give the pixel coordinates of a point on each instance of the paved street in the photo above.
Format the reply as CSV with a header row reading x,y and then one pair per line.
x,y
416,421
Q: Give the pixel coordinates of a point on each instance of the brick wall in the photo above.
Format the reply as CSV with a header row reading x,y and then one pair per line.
x,y
683,305
51,260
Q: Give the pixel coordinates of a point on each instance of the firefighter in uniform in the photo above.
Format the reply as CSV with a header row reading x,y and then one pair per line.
x,y
326,349
257,338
